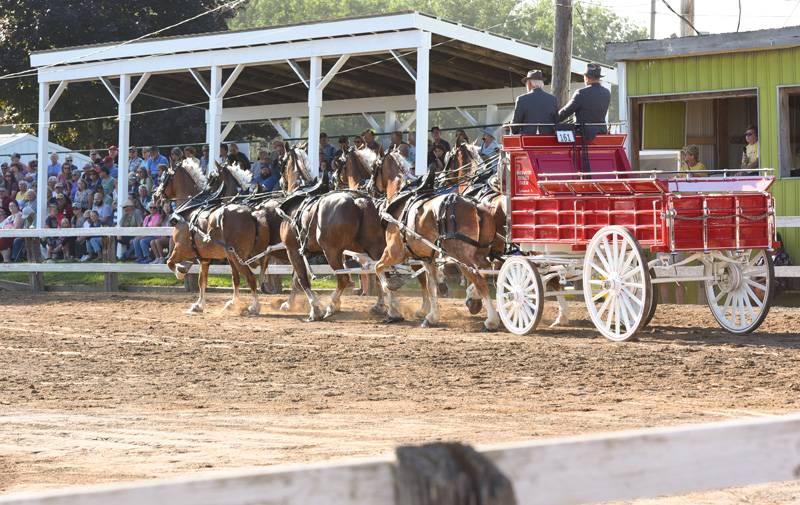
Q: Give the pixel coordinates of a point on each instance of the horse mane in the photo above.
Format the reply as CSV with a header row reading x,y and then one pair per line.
x,y
192,168
403,163
368,157
242,176
300,153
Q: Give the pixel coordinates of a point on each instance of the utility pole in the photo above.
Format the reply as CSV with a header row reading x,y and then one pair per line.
x,y
652,19
687,11
562,51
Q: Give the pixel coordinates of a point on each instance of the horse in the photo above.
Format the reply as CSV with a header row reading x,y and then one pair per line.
x,y
426,225
354,168
328,223
197,230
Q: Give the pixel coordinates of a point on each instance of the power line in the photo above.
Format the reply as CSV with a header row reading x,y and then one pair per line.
x,y
32,71
791,13
682,17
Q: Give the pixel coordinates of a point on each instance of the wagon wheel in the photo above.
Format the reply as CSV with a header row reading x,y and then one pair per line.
x,y
520,296
653,305
616,283
741,293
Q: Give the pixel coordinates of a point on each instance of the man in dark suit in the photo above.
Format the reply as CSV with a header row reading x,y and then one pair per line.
x,y
536,107
589,104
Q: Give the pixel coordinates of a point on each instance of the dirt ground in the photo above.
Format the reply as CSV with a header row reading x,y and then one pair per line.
x,y
98,387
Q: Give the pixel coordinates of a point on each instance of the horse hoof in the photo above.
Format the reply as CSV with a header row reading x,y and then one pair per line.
x,y
486,329
254,310
475,305
421,313
559,323
286,306
329,312
393,319
378,310
195,309
428,324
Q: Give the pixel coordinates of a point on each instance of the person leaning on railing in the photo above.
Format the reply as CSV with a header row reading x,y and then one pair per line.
x,y
690,162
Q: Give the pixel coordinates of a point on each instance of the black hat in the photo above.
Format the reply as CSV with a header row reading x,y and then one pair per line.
x,y
593,70
533,75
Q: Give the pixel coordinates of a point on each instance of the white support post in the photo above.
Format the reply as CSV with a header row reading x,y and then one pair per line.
x,y
227,130
333,71
404,63
214,123
405,125
500,131
314,113
491,114
421,95
298,71
622,92
372,122
389,125
296,127
123,142
280,129
41,179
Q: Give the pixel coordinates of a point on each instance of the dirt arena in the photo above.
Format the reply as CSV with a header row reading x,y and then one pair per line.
x,y
98,387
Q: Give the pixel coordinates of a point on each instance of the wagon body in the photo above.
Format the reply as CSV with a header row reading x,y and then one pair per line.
x,y
581,219
555,199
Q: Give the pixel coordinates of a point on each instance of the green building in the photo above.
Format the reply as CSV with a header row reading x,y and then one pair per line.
x,y
706,90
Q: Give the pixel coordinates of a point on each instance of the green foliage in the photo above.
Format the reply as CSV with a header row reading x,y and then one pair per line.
x,y
27,26
531,21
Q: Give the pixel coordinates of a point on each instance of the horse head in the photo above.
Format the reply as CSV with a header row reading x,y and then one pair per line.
x,y
181,181
294,171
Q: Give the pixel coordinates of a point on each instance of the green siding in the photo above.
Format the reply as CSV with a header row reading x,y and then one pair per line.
x,y
761,70
664,125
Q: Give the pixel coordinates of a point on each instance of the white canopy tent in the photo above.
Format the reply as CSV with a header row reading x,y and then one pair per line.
x,y
363,64
27,146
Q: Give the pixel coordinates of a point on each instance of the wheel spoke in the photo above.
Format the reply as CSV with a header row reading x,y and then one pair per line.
x,y
725,305
599,295
752,294
606,261
633,297
617,316
631,256
755,284
599,270
604,306
749,307
624,312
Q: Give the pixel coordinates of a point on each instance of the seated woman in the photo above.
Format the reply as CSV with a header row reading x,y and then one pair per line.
x,y
162,246
142,244
690,163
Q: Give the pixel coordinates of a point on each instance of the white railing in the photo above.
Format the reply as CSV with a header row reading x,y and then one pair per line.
x,y
567,471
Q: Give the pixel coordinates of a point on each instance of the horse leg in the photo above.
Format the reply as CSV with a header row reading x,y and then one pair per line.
x,y
342,281
392,255
563,311
252,282
422,278
202,283
233,303
432,318
295,288
315,313
481,291
473,300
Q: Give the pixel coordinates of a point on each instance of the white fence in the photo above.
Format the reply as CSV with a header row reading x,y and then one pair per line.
x,y
567,471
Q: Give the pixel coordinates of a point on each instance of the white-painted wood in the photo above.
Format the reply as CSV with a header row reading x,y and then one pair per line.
x,y
389,122
333,71
622,98
264,55
135,268
201,81
123,138
399,103
373,123
563,471
793,271
314,113
405,125
106,231
331,32
55,96
112,90
491,113
214,118
421,91
280,129
299,72
230,80
138,87
466,115
404,63
296,124
226,131
788,221
44,128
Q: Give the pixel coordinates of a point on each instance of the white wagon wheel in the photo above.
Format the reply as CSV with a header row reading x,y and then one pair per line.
x,y
616,283
741,294
520,296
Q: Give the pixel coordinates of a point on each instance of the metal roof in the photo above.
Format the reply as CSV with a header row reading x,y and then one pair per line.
x,y
758,40
461,59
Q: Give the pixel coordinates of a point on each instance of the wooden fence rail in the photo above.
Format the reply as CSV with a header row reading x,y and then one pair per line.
x,y
565,471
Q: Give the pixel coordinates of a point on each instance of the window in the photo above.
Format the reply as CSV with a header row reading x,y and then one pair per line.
x,y
789,127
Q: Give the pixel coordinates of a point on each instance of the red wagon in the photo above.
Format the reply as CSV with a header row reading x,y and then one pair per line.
x,y
588,228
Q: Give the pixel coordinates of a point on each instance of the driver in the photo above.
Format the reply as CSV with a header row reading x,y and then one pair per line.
x,y
589,104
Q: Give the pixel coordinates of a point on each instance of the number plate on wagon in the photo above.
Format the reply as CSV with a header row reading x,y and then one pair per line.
x,y
565,136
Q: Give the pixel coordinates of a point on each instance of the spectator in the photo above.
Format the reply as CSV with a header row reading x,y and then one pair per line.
x,y
489,147
438,158
436,133
412,147
161,170
190,153
63,246
344,145
326,150
18,248
113,170
143,179
750,154
23,190
51,187
223,154
131,218
65,177
690,162
265,176
5,199
92,178
94,245
51,222
73,188
83,195
369,140
154,160
403,150
134,161
107,183
11,220
96,158
54,168
204,160
113,152
239,157
141,245
30,200
143,199
64,206
175,156
161,244
395,139
10,183
58,188
104,212
358,142
461,137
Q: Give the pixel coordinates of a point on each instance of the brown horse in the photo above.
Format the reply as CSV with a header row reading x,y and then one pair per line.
x,y
460,230
353,168
390,175
197,232
461,163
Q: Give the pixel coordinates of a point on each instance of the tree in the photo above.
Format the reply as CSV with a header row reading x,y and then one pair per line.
x,y
531,21
27,26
